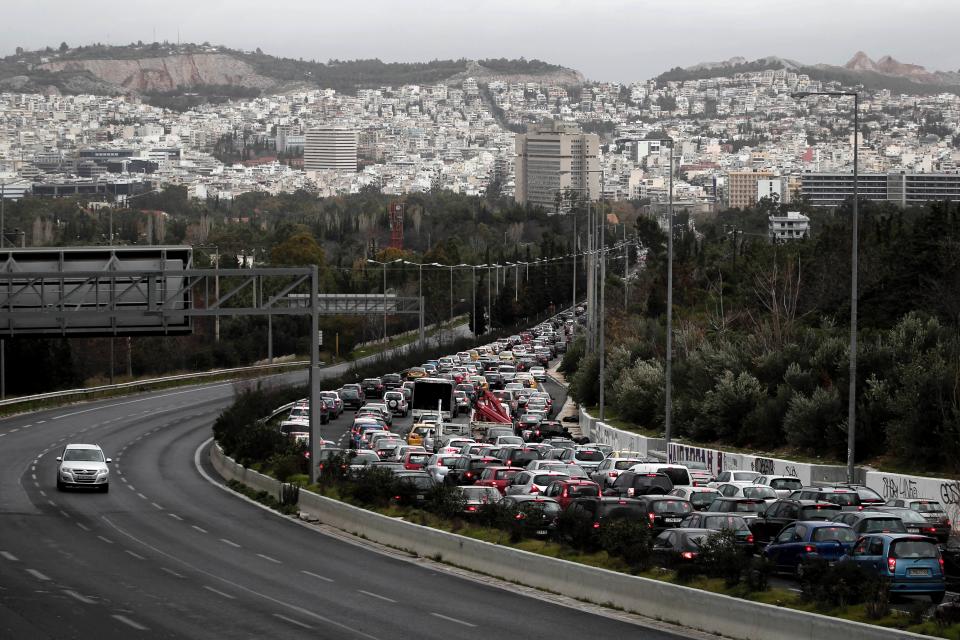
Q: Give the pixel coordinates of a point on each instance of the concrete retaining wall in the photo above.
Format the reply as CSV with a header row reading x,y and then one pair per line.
x,y
230,470
692,608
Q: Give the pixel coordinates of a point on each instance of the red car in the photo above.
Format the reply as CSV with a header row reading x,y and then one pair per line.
x,y
498,477
415,460
565,491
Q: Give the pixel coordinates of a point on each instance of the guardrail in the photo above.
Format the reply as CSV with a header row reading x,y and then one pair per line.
x,y
136,384
686,606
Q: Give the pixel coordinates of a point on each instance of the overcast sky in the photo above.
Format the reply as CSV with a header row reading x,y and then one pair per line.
x,y
623,40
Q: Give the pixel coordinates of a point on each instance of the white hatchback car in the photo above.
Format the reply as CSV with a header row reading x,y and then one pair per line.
x,y
83,465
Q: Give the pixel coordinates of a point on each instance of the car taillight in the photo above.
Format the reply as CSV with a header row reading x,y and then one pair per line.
x,y
750,539
688,555
471,508
612,474
534,489
931,530
519,516
652,516
596,525
892,564
469,474
941,564
396,497
809,548
859,507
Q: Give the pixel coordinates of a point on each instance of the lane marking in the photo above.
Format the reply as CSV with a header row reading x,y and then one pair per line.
x,y
156,506
220,593
36,574
43,493
317,576
200,529
232,544
443,617
9,556
376,595
51,503
130,623
175,517
76,596
171,572
64,513
142,497
107,540
269,559
117,404
135,555
83,526
286,605
292,621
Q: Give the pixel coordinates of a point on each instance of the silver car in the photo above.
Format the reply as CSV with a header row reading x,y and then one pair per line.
x,y
83,465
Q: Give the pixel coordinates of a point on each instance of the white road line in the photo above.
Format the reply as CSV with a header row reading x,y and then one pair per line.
x,y
39,576
83,526
107,540
36,484
200,529
117,404
8,556
269,559
43,493
2,434
135,555
124,481
33,476
376,595
175,517
132,488
171,572
232,544
64,513
142,497
27,426
51,503
40,421
77,596
14,430
130,623
317,576
443,617
156,506
220,593
292,621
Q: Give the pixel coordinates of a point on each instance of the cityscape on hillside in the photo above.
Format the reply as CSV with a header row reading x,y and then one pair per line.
x,y
736,138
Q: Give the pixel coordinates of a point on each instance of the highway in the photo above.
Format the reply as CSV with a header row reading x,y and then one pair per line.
x,y
169,554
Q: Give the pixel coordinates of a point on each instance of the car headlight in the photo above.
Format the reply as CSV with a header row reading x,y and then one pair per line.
x,y
103,472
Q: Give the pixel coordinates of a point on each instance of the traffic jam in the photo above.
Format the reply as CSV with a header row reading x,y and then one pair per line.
x,y
483,421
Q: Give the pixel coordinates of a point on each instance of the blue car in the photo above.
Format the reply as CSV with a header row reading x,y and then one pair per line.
x,y
911,563
803,541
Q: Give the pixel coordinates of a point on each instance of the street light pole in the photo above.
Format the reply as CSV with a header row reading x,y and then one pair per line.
x,y
603,308
854,275
668,369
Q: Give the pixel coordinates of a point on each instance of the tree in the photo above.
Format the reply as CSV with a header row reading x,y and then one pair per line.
x,y
64,47
299,249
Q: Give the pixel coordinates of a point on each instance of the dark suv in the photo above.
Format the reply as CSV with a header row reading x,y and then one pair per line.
x,y
373,387
352,396
633,484
781,513
467,469
391,381
848,499
665,512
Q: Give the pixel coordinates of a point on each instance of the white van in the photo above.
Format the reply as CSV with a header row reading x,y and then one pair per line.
x,y
678,474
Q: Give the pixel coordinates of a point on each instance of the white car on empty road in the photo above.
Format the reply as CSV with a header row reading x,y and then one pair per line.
x,y
83,465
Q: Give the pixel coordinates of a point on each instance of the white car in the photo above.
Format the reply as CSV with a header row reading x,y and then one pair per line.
x,y
83,465
539,373
438,465
396,402
610,469
747,490
734,476
783,485
527,482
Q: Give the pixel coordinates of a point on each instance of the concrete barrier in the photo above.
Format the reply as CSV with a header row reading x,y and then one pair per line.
x,y
231,470
692,608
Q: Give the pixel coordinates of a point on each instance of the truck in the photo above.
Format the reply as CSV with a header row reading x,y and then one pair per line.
x,y
431,395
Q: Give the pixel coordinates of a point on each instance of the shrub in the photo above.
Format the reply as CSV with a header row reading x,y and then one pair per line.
x,y
720,557
577,529
446,501
947,615
628,539
839,585
877,596
758,573
638,393
288,463
373,487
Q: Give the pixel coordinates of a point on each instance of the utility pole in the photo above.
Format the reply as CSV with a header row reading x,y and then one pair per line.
x,y
668,391
626,267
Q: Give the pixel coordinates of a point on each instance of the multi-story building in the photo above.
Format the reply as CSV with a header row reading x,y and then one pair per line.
x,y
786,228
742,191
331,148
901,188
553,157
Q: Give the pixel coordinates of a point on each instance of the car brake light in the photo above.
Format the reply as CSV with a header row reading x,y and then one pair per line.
x,y
750,539
519,516
688,555
859,507
612,474
941,564
652,517
596,525
471,508
534,489
396,497
469,474
892,564
809,548
931,530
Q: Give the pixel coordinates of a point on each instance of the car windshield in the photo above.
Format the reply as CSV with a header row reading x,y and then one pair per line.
x,y
913,549
418,458
545,479
818,512
83,455
588,456
623,465
677,475
866,493
759,492
617,510
702,498
718,523
834,534
843,499
481,494
672,506
584,490
509,440
786,484
911,517
506,474
927,507
535,506
419,482
750,507
364,457
393,395
743,476
875,525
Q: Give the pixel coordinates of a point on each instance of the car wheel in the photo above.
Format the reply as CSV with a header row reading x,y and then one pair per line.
x,y
936,598
60,486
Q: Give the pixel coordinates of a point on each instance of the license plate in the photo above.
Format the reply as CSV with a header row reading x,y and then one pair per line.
x,y
913,530
918,572
541,532
419,496
672,519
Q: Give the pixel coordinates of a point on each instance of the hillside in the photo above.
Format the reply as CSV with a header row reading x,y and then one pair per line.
x,y
163,70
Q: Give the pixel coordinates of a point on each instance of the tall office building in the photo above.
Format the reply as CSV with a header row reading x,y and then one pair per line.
x,y
743,187
331,148
553,157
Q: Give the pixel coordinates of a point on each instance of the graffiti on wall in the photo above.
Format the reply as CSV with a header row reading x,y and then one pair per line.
x,y
950,493
764,466
899,487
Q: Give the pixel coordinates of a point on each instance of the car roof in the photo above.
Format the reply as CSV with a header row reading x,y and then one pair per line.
x,y
80,445
817,524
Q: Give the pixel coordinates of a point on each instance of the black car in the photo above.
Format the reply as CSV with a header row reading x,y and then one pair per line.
x,y
391,381
518,456
722,522
463,402
676,547
586,517
781,513
494,380
537,516
633,484
414,487
848,499
546,429
916,523
665,512
373,387
748,508
467,469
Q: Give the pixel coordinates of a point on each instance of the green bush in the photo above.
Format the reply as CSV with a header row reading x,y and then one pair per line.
x,y
446,501
373,486
577,529
721,557
628,539
838,585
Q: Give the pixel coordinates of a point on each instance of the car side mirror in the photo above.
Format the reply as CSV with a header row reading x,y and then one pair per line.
x,y
59,459
109,460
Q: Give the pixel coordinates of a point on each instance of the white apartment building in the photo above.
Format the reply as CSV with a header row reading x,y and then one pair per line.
x,y
553,157
331,148
792,226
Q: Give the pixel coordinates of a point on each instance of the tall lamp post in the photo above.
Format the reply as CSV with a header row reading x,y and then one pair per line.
x,y
854,258
422,335
384,265
668,368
